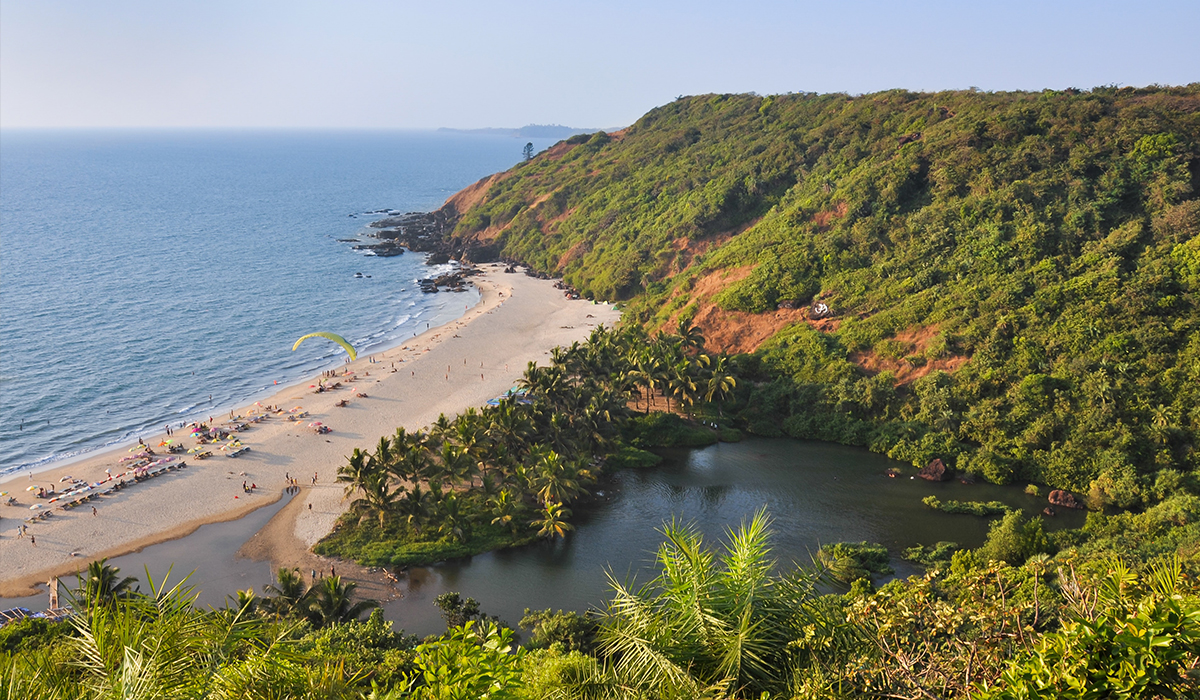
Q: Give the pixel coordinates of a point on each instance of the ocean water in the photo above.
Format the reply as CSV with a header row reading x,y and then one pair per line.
x,y
143,272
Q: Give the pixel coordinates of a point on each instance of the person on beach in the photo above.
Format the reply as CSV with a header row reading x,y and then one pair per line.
x,y
33,540
93,511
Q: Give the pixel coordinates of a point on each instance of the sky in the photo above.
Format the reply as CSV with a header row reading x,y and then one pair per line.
x,y
458,63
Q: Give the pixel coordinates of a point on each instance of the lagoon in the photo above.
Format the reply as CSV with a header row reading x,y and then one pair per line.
x,y
816,493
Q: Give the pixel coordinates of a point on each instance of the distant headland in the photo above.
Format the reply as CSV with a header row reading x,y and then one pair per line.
x,y
530,131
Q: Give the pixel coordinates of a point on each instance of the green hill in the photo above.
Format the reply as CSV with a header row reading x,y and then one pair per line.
x,y
1012,276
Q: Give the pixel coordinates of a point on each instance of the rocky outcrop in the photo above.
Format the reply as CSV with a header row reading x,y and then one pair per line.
x,y
1065,499
430,232
935,471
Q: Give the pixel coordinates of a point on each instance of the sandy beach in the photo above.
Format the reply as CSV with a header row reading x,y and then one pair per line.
x,y
464,363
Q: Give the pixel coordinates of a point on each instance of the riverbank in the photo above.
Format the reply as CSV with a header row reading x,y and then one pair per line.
x,y
464,363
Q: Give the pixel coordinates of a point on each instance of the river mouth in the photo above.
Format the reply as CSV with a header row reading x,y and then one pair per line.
x,y
816,493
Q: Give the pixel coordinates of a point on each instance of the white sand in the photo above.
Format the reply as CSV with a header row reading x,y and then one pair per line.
x,y
518,320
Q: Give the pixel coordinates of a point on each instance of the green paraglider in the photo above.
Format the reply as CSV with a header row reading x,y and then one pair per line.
x,y
335,338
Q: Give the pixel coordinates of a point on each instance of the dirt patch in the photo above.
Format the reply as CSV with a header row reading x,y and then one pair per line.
x,y
540,200
557,151
687,249
733,331
739,331
473,195
577,251
823,218
914,341
561,217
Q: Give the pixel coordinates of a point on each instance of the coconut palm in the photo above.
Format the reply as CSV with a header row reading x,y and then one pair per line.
x,y
246,602
418,506
454,518
690,337
102,585
378,499
359,467
720,383
457,465
506,509
552,521
554,478
681,385
332,601
410,458
287,596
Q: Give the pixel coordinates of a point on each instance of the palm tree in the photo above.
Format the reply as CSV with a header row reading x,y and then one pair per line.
x,y
382,456
720,383
378,498
507,509
457,466
245,602
359,467
453,518
690,337
681,385
331,601
101,585
417,506
288,595
410,458
708,620
553,520
554,479
439,430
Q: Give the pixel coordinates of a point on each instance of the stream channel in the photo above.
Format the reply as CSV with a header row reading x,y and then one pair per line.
x,y
816,493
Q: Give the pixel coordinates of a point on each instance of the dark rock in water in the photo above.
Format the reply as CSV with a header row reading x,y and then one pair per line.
x,y
1049,510
438,258
1065,499
935,471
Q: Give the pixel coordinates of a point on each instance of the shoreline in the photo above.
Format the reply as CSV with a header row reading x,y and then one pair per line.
x,y
52,462
517,319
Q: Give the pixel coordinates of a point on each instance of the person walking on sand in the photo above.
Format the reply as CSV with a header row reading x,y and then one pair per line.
x,y
33,540
93,511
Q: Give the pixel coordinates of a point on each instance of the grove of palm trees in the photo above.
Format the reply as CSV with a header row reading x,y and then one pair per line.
x,y
509,473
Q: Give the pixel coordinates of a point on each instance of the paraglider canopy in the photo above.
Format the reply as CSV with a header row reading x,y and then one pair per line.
x,y
331,336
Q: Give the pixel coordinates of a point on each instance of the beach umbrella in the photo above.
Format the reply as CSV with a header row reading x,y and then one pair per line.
x,y
64,479
35,487
3,493
35,506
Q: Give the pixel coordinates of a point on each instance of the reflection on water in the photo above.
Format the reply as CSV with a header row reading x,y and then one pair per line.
x,y
816,493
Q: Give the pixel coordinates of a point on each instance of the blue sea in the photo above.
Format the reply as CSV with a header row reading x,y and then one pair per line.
x,y
143,272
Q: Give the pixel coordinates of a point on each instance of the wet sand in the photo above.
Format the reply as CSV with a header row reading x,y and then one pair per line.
x,y
445,370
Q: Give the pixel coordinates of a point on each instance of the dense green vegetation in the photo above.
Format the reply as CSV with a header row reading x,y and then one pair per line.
x,y
717,622
1050,239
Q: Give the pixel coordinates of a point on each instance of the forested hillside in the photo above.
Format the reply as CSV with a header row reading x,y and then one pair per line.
x,y
1012,277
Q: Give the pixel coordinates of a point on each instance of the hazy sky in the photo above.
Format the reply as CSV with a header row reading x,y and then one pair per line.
x,y
370,63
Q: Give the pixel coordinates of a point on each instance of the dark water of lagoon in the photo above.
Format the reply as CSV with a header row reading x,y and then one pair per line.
x,y
815,492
